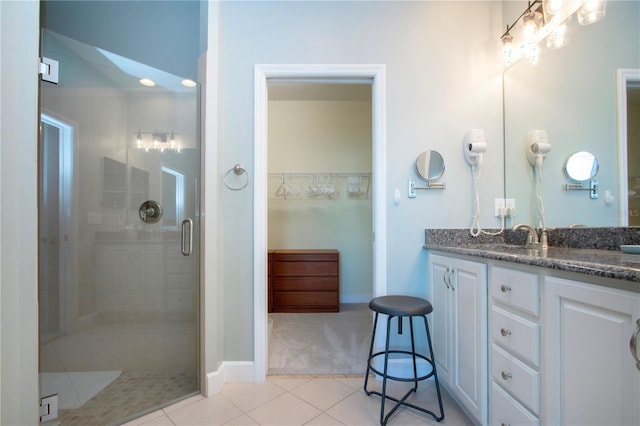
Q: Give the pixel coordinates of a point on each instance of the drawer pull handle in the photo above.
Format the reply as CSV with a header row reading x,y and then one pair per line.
x,y
506,376
446,279
504,424
505,332
505,288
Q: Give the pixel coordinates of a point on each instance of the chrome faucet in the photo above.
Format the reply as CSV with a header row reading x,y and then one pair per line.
x,y
532,236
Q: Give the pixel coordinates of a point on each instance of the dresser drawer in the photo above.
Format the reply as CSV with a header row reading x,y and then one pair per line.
x,y
306,255
516,288
505,410
305,301
520,380
306,283
517,334
302,269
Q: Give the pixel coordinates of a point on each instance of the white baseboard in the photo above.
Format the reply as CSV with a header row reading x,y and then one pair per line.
x,y
229,372
244,372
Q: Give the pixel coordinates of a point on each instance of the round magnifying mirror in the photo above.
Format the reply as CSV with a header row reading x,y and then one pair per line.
x,y
430,165
581,166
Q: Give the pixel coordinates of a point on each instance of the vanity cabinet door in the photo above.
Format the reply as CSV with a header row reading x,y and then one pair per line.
x,y
459,328
589,375
441,318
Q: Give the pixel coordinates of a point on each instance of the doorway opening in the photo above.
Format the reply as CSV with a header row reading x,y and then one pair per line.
x,y
356,74
319,227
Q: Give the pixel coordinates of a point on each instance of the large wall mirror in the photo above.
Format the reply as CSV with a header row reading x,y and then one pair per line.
x,y
572,94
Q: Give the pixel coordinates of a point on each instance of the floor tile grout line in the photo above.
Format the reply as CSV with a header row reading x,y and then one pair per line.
x,y
251,409
353,391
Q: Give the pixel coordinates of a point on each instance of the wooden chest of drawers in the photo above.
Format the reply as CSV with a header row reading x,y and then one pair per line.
x,y
304,281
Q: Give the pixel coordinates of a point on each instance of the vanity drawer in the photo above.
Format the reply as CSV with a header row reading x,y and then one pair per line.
x,y
505,410
520,380
516,288
519,335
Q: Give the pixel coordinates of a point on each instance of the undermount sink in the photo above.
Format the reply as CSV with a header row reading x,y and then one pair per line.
x,y
516,249
501,246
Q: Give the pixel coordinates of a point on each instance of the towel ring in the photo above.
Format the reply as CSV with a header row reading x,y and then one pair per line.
x,y
238,170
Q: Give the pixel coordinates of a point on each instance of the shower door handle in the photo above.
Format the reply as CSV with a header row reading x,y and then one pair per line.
x,y
187,237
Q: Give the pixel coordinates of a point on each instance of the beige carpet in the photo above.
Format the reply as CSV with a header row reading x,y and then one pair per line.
x,y
331,343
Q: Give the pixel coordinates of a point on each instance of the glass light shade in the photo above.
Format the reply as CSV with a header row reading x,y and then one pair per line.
x,y
551,7
531,23
558,38
592,11
507,48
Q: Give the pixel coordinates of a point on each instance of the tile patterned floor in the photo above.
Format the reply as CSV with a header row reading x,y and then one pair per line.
x,y
129,393
301,400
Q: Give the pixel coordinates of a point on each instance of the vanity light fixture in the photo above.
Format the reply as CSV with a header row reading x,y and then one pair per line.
x,y
158,141
521,38
546,19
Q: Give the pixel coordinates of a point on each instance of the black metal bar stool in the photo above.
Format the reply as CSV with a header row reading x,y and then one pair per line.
x,y
400,307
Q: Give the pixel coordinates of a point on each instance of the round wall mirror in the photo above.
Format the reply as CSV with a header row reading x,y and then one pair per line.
x,y
581,166
430,165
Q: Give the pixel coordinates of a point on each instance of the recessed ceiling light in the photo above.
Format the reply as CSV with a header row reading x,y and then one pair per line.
x,y
147,82
188,83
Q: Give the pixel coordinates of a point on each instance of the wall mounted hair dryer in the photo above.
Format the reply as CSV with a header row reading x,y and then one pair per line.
x,y
537,147
474,147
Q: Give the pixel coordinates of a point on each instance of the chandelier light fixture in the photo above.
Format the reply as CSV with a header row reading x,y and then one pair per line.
x,y
546,19
157,141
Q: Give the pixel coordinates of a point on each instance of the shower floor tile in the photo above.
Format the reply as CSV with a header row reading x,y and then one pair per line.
x,y
128,395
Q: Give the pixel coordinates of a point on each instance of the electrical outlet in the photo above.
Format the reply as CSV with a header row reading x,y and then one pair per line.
x,y
510,206
505,207
500,206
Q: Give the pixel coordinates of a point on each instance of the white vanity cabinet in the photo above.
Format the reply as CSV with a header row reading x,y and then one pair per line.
x,y
514,351
589,375
458,292
525,345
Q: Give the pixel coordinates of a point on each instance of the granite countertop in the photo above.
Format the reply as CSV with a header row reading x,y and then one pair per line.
x,y
602,261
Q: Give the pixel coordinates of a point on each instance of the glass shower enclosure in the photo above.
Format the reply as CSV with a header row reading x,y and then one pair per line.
x,y
119,162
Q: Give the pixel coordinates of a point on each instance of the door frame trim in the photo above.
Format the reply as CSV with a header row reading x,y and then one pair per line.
x,y
375,73
624,77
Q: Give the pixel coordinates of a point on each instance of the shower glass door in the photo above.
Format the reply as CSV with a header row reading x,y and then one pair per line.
x,y
118,236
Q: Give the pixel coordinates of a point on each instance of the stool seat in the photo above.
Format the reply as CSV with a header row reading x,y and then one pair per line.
x,y
400,306
397,307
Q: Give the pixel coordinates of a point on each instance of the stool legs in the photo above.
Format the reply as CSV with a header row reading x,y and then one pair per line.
x,y
384,374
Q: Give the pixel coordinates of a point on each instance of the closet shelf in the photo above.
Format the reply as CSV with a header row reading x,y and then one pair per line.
x,y
319,186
